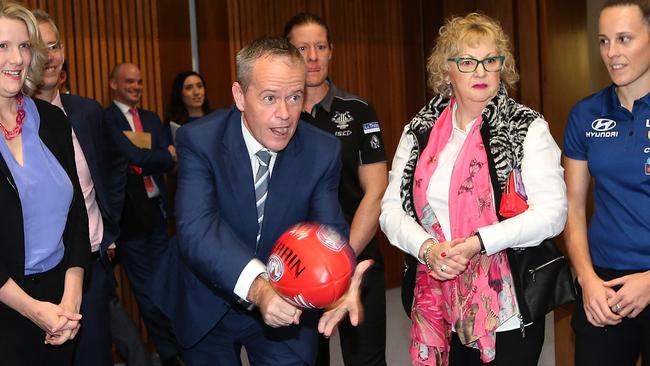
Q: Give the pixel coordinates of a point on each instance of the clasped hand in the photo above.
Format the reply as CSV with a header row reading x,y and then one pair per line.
x,y
606,306
450,258
632,297
60,322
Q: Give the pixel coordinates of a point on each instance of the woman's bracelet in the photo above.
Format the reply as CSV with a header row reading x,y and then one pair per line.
x,y
427,250
480,241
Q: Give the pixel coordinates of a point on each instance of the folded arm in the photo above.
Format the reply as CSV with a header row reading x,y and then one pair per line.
x,y
152,161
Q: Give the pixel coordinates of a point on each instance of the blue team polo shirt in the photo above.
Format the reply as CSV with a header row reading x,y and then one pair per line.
x,y
616,144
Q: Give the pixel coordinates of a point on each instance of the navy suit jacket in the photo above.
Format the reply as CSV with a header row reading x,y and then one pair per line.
x,y
85,116
217,220
122,153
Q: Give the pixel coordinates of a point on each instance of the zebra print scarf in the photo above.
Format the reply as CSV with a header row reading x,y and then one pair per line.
x,y
508,123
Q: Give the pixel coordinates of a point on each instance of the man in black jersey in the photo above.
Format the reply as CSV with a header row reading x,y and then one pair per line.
x,y
363,182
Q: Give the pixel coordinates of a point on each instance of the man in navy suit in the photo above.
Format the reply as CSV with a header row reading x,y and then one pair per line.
x,y
138,195
213,284
85,115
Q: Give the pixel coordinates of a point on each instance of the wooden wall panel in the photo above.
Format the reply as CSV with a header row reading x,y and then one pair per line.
x,y
563,27
565,80
216,53
98,34
528,54
174,47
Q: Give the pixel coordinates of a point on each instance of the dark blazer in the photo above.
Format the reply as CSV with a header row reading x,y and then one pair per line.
x,y
122,153
85,116
217,220
56,134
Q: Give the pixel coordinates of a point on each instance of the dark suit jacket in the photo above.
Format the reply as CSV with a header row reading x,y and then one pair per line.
x,y
56,134
85,116
217,220
122,153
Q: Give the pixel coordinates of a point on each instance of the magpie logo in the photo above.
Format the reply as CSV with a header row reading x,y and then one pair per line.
x,y
603,124
602,128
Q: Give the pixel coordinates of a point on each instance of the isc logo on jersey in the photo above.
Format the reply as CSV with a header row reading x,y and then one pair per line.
x,y
602,127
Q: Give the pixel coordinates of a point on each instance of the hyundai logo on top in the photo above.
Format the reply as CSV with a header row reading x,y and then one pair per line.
x,y
603,124
602,128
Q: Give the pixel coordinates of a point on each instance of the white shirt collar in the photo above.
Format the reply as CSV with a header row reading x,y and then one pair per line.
x,y
123,107
252,145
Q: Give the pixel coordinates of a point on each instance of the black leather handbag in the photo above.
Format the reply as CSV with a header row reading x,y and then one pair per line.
x,y
541,274
542,278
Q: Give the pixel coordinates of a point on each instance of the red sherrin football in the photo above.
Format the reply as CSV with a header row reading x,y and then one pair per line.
x,y
311,265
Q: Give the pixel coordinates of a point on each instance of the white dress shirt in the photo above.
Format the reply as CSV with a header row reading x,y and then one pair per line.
x,y
255,267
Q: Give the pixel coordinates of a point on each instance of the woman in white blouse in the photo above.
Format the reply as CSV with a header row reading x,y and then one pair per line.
x,y
442,203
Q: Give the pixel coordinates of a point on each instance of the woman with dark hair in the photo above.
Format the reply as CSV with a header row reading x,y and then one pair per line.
x,y
607,140
44,242
188,101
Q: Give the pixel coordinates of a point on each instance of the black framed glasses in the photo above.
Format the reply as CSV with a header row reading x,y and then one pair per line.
x,y
469,64
54,46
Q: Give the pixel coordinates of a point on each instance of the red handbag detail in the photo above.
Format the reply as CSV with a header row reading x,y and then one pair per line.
x,y
513,198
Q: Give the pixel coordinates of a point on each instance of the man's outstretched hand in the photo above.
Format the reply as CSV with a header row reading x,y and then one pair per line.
x,y
349,303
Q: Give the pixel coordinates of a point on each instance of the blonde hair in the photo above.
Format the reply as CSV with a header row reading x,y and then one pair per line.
x,y
11,10
458,32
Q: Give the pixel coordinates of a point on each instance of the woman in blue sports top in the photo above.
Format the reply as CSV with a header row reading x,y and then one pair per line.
x,y
607,139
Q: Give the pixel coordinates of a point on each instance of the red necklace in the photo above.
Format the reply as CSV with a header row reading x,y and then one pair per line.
x,y
20,117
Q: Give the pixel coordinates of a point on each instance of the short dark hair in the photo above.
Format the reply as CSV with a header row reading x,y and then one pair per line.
x,y
43,17
264,47
644,6
177,109
304,19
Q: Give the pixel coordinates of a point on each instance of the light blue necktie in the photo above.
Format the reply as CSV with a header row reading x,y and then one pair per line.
x,y
261,186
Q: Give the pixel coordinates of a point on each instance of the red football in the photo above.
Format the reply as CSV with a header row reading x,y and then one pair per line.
x,y
311,265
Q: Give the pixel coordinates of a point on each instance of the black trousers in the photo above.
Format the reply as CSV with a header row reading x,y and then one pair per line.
x,y
512,349
619,344
21,341
139,255
364,344
94,346
125,335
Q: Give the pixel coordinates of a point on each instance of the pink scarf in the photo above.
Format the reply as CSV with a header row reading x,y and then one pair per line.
x,y
481,298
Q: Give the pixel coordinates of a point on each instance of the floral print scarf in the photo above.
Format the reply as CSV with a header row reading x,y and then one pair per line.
x,y
482,297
